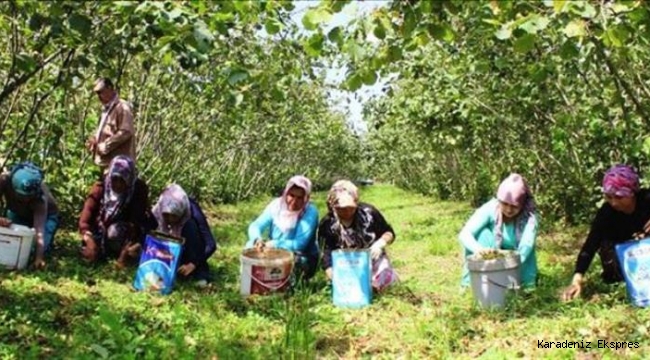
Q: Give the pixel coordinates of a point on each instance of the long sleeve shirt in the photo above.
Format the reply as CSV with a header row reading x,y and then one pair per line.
x,y
367,227
300,239
117,136
611,227
135,212
485,217
36,210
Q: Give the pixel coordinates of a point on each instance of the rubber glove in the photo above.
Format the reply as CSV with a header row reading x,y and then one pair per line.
x,y
377,248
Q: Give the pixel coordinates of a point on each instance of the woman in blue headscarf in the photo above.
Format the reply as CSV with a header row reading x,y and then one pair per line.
x,y
29,202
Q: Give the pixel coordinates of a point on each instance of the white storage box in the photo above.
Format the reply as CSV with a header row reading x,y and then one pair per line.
x,y
15,246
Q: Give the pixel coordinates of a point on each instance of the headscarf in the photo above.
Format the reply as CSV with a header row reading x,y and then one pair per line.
x,y
284,218
513,190
173,200
621,180
26,179
121,167
343,194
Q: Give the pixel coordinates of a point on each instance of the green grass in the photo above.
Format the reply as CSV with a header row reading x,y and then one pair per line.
x,y
77,311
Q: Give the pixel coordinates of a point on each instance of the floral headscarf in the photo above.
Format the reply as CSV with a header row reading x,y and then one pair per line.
x,y
121,167
621,180
175,201
342,194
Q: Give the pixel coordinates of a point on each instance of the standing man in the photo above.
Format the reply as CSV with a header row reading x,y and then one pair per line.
x,y
116,133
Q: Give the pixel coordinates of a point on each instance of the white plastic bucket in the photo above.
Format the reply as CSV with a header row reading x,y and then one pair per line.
x,y
15,246
491,279
265,271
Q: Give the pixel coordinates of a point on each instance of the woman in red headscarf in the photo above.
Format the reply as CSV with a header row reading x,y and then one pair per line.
x,y
508,221
622,217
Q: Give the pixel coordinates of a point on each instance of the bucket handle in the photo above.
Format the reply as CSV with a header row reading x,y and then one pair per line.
x,y
512,286
270,287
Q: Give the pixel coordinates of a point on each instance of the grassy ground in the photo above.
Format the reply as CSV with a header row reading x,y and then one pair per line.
x,y
77,311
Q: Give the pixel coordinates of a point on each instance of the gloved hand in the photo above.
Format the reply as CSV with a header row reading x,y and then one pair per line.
x,y
377,248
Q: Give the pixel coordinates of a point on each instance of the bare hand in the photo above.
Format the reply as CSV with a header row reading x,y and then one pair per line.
x,y
133,250
39,263
90,249
4,222
91,144
646,228
571,292
186,269
328,272
259,244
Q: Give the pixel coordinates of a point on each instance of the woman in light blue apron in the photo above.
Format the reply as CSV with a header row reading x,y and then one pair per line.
x,y
508,221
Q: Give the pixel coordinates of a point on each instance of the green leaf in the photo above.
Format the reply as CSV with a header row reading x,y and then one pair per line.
x,y
315,16
559,5
100,350
569,51
535,24
26,63
272,26
338,5
237,75
369,77
174,14
504,33
615,36
379,31
441,32
588,11
36,21
575,28
314,44
80,24
203,35
525,43
336,36
409,24
353,82
354,50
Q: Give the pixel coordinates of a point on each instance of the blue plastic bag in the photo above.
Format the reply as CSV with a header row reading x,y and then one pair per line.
x,y
634,259
351,278
158,263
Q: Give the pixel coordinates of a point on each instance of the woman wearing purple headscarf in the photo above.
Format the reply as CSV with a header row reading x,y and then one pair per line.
x,y
508,221
622,217
291,221
114,218
179,216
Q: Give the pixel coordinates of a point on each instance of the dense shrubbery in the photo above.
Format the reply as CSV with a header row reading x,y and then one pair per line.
x,y
557,91
220,108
